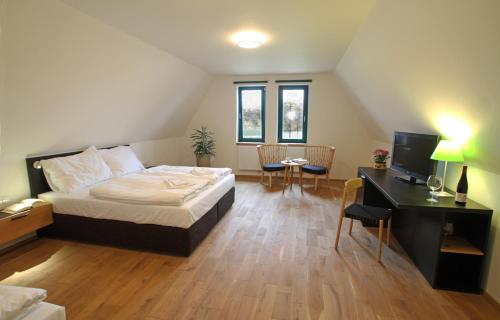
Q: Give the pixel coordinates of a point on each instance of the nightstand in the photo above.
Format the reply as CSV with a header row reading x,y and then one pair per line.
x,y
13,226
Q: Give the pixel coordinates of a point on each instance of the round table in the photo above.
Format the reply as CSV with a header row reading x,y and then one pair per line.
x,y
289,168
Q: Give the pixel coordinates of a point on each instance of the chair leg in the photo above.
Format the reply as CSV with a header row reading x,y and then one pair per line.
x,y
328,180
316,183
389,223
380,235
300,181
270,180
350,226
339,227
262,177
285,178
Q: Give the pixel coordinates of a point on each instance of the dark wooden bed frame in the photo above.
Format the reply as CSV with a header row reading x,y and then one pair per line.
x,y
150,237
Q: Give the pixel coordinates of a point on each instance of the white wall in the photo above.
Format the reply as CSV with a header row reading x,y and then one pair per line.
x,y
162,151
333,120
434,66
71,81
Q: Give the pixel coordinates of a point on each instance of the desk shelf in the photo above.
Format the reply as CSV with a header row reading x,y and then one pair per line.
x,y
453,262
459,245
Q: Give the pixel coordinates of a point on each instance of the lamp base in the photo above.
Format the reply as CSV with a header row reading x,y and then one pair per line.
x,y
442,194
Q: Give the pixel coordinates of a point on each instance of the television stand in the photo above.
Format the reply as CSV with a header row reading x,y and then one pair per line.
x,y
412,180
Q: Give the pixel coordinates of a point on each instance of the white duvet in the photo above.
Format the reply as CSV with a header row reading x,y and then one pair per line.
x,y
16,301
163,185
211,175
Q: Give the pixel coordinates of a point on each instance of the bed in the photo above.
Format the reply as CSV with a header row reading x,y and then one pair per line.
x,y
45,311
174,230
24,303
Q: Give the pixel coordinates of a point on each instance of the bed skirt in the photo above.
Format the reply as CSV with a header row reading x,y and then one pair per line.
x,y
149,237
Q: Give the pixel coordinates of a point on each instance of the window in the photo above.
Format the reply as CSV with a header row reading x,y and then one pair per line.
x,y
292,113
251,113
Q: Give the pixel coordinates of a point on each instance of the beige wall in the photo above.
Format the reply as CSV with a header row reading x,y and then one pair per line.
x,y
333,120
71,81
434,66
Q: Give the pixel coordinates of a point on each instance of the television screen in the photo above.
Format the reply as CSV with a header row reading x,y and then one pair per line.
x,y
412,152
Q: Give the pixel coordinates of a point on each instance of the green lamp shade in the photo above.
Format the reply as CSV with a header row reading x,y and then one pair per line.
x,y
448,150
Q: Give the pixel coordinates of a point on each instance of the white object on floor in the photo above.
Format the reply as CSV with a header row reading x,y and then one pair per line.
x,y
81,203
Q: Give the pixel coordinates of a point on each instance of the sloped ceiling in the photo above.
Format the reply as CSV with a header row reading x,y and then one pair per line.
x,y
431,66
70,80
79,81
305,35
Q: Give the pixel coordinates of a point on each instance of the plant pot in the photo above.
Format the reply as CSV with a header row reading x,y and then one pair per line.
x,y
203,160
380,165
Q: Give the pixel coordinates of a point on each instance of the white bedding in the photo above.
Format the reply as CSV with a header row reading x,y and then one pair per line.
x,y
165,189
209,174
24,303
81,203
162,185
45,311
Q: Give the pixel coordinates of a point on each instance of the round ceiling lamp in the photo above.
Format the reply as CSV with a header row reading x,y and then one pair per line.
x,y
249,39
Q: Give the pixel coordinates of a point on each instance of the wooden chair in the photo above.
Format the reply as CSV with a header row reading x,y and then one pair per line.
x,y
320,163
270,157
363,213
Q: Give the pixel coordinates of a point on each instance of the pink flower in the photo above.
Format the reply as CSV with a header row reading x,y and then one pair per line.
x,y
380,155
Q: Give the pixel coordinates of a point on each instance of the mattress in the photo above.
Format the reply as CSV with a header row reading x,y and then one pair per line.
x,y
45,311
81,203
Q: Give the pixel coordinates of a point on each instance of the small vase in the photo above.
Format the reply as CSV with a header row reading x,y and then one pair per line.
x,y
380,165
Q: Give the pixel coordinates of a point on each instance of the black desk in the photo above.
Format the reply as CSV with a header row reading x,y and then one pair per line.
x,y
455,262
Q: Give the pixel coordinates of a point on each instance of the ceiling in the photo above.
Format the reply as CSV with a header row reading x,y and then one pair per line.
x,y
305,35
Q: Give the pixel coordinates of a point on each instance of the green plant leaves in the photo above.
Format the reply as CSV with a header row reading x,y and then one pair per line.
x,y
203,141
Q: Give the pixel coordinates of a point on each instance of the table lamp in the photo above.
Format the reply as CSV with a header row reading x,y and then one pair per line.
x,y
447,150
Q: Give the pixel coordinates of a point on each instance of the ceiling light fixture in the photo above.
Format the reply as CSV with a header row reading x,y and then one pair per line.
x,y
249,39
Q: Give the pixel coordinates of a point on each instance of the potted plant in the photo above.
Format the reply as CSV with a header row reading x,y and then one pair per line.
x,y
204,146
380,157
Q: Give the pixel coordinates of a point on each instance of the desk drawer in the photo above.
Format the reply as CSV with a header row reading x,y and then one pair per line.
x,y
18,225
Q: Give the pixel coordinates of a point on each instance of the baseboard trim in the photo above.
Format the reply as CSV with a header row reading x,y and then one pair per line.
x,y
492,301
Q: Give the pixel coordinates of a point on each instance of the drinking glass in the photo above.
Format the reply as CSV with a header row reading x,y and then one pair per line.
x,y
434,183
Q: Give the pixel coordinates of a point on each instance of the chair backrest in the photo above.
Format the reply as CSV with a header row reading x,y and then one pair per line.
x,y
351,188
320,156
271,153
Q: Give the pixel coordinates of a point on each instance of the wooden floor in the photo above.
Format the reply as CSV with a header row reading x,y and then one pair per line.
x,y
271,257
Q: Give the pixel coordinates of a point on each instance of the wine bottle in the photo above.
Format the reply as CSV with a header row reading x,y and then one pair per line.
x,y
462,187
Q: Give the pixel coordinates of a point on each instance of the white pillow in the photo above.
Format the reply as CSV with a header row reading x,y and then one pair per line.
x,y
14,301
71,173
121,160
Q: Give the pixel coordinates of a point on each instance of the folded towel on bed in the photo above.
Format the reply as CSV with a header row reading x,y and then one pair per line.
x,y
176,183
209,174
202,171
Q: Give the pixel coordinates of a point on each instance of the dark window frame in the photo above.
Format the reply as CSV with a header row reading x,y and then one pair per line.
x,y
262,115
304,117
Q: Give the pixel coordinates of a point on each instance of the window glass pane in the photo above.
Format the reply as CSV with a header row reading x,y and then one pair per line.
x,y
251,101
293,112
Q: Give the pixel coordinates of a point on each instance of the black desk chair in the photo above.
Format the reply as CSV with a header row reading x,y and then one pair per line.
x,y
363,213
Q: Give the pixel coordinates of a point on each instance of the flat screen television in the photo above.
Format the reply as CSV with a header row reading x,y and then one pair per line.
x,y
411,155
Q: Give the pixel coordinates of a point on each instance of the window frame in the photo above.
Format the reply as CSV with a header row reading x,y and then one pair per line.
x,y
281,88
262,115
